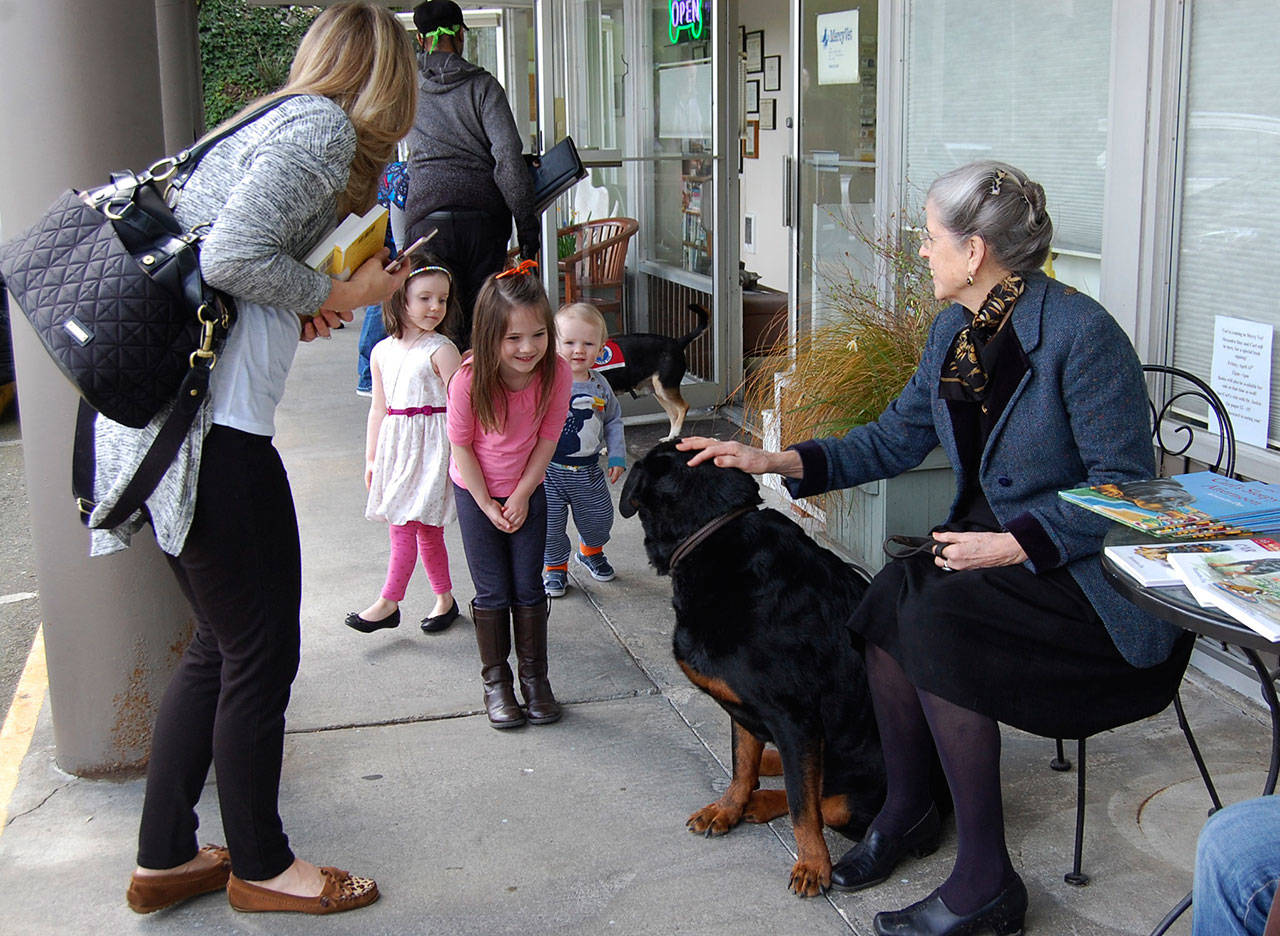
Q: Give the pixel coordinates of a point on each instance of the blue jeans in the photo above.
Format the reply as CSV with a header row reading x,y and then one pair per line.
x,y
1237,867
371,332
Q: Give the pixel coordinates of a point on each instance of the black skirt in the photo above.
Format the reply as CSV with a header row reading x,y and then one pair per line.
x,y
1023,648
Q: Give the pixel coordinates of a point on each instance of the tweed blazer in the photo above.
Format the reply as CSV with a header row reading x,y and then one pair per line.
x,y
1079,416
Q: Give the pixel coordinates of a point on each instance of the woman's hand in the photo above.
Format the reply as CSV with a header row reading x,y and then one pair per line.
x,y
976,550
320,324
493,510
516,510
370,284
736,455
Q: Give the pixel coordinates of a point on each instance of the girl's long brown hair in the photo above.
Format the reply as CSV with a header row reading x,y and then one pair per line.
x,y
359,56
498,296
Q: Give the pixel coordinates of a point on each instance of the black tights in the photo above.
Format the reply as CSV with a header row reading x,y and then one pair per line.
x,y
912,722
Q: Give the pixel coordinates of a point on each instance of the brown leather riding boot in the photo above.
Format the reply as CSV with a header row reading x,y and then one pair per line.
x,y
531,652
493,637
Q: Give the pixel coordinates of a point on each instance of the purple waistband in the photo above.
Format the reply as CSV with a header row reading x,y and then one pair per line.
x,y
415,411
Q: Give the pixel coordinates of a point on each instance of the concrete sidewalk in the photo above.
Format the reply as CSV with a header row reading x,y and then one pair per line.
x,y
392,771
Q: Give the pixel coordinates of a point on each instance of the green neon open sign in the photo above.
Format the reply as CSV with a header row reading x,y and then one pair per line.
x,y
684,16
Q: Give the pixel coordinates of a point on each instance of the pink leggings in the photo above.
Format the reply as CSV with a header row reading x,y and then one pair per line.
x,y
407,540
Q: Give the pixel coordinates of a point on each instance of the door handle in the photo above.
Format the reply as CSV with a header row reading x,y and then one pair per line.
x,y
788,193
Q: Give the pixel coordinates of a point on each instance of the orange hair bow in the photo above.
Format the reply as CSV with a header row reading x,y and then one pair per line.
x,y
523,267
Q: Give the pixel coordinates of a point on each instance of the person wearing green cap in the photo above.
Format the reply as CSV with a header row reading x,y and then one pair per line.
x,y
467,174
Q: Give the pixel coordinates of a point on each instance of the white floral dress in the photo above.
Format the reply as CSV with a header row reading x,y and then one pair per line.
x,y
411,465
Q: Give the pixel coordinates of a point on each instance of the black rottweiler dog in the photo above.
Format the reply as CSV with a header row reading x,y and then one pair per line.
x,y
653,362
760,626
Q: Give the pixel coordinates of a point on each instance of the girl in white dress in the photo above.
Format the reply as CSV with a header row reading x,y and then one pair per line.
x,y
407,444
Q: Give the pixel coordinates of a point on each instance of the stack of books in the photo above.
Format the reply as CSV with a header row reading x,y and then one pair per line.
x,y
1243,584
1186,506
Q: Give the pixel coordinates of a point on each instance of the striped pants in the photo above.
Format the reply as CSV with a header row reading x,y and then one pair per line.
x,y
586,491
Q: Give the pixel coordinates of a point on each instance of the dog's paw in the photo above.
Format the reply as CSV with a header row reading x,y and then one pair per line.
x,y
810,879
765,806
716,819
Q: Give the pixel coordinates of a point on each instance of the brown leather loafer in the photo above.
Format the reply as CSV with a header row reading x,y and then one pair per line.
x,y
342,891
153,892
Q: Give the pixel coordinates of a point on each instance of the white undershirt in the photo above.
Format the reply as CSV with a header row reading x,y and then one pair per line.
x,y
248,381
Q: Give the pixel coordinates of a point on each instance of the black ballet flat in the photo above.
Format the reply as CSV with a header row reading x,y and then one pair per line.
x,y
1006,915
438,622
356,622
872,860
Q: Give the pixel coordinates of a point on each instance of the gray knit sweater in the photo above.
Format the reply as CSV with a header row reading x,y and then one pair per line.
x,y
465,152
270,192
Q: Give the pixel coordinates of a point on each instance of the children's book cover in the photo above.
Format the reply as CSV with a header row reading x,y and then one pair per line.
x,y
1245,586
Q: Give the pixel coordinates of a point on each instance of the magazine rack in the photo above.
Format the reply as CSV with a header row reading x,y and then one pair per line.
x,y
1173,439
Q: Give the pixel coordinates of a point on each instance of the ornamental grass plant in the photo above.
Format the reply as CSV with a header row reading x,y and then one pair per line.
x,y
844,372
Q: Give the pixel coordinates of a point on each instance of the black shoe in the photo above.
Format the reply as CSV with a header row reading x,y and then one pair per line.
x,y
356,622
437,623
872,860
1006,914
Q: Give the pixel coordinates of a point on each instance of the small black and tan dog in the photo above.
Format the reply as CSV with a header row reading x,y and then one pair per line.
x,y
760,626
643,361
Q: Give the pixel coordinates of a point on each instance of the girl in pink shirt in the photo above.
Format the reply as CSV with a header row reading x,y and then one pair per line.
x,y
507,404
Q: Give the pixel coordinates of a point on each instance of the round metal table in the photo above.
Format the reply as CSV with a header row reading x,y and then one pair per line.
x,y
1173,603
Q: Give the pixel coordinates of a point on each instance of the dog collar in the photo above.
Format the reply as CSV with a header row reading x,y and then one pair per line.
x,y
694,540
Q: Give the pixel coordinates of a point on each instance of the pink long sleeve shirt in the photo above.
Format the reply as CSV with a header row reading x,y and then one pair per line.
x,y
503,454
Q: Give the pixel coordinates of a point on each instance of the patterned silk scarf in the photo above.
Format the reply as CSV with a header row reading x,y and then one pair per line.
x,y
964,371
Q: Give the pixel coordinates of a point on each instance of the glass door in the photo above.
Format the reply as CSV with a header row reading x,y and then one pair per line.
x,y
636,84
835,162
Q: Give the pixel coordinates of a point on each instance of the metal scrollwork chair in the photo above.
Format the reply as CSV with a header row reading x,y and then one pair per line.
x,y
1173,436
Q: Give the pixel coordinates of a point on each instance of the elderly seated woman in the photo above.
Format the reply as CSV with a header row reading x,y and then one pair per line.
x,y
1029,387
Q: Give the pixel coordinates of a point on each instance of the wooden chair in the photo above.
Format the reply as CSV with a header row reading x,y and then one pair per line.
x,y
1172,439
594,272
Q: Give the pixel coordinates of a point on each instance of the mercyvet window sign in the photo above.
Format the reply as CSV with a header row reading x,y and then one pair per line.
x,y
838,48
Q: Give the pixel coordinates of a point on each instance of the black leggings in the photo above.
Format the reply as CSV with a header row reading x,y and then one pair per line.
x,y
241,569
506,568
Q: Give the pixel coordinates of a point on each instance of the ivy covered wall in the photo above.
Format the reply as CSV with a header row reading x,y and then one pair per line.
x,y
245,51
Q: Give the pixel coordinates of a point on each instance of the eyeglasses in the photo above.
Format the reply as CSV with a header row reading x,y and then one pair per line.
x,y
928,239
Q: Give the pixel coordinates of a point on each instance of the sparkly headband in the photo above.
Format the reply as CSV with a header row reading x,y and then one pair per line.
x,y
430,269
524,266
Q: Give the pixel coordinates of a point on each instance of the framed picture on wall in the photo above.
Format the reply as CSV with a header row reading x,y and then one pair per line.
x,y
751,140
773,72
753,97
753,45
769,114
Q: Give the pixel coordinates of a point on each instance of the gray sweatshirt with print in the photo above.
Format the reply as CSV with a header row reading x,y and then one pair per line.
x,y
465,152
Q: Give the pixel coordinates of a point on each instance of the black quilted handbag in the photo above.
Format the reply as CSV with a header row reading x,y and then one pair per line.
x,y
111,284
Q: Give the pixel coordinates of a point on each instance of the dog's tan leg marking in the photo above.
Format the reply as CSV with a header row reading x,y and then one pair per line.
x,y
771,763
726,812
673,405
765,806
811,874
835,811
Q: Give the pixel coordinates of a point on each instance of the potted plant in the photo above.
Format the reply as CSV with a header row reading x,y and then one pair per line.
x,y
843,373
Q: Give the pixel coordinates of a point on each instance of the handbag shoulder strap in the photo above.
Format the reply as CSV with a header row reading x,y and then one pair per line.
x,y
176,169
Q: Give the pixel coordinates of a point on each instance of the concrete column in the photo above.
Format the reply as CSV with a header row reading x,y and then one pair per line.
x,y
178,42
84,98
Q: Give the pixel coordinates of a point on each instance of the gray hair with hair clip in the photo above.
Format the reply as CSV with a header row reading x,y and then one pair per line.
x,y
968,201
